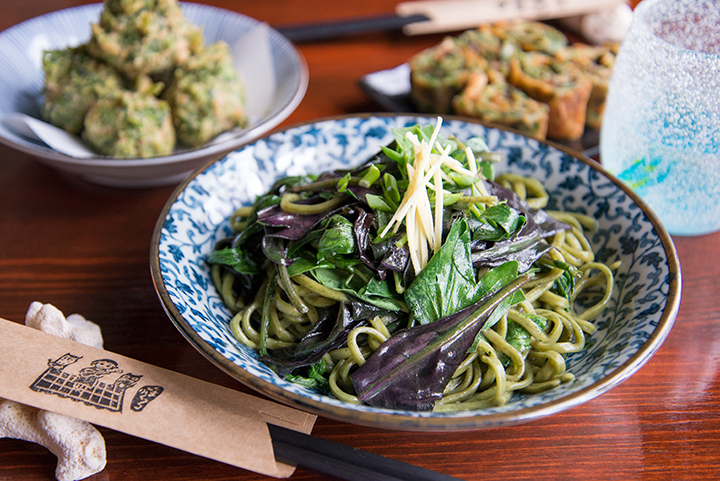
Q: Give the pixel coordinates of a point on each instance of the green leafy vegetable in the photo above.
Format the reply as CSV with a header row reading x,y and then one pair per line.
x,y
376,202
238,259
337,239
315,378
360,285
518,337
564,285
447,284
496,223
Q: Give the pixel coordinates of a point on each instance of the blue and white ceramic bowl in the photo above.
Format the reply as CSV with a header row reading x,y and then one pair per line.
x,y
22,78
640,315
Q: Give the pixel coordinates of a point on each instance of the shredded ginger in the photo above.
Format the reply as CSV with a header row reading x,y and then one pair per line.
x,y
423,224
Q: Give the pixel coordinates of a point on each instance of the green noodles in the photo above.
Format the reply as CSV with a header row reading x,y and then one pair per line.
x,y
322,276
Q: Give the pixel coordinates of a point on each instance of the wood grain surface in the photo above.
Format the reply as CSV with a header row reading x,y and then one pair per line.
x,y
85,249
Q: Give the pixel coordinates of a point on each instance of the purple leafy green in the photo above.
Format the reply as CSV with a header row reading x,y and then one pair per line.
x,y
288,225
411,369
329,332
361,230
525,245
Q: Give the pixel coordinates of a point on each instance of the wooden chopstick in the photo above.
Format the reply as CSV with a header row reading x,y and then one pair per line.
x,y
451,15
343,462
342,28
433,16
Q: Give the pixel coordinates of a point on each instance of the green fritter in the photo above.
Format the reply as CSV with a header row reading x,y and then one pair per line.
x,y
207,96
531,36
149,41
596,63
566,91
131,7
130,124
73,82
489,97
484,42
439,73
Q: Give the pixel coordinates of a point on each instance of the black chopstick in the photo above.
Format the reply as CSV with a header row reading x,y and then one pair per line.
x,y
343,462
341,28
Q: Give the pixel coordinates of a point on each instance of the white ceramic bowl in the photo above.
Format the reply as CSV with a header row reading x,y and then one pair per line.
x,y
639,317
21,82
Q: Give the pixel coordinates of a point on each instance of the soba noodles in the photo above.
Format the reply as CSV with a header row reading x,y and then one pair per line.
x,y
312,278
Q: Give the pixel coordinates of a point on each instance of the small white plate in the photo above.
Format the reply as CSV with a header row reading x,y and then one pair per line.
x,y
22,77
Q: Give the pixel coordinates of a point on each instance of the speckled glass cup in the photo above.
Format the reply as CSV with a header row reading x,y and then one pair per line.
x,y
661,126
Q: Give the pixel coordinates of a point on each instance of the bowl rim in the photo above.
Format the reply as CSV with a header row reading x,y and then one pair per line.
x,y
395,420
189,154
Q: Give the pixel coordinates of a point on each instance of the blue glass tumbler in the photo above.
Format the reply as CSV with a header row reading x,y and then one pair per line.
x,y
661,126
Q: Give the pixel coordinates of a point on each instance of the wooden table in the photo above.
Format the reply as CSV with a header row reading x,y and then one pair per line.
x,y
85,249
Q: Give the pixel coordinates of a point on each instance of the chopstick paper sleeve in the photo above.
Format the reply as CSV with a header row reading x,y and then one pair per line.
x,y
126,395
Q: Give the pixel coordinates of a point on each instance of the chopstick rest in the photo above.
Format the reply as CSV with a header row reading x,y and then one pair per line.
x,y
120,393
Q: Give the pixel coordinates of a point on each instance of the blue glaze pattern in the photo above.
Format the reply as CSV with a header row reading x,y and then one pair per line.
x,y
638,319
